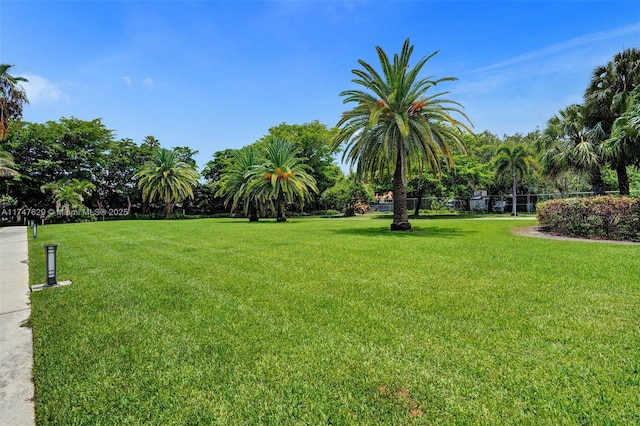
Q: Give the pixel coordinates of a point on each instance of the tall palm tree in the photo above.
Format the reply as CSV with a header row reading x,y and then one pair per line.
x,y
516,160
12,98
234,183
167,178
395,126
569,144
606,100
282,178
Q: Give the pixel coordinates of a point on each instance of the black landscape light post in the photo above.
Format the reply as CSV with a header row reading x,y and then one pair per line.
x,y
50,250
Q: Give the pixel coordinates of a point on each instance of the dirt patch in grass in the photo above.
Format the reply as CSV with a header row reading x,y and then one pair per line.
x,y
404,397
534,231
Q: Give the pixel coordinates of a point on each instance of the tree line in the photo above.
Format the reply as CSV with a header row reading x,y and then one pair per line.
x,y
397,137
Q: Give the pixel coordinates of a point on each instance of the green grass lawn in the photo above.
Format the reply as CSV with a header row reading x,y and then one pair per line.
x,y
333,321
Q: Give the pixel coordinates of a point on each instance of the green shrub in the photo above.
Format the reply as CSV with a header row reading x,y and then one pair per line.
x,y
601,217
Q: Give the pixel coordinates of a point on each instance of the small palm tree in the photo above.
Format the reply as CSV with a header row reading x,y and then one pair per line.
x,y
234,183
282,178
516,160
395,126
71,192
166,178
568,144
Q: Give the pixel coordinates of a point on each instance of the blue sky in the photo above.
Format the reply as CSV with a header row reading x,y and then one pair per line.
x,y
213,75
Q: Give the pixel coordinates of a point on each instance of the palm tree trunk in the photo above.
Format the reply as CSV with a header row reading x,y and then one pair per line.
x,y
513,194
400,217
168,209
280,215
623,178
253,212
597,183
420,194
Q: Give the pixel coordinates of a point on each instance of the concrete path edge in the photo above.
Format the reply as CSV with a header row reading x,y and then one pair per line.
x,y
16,340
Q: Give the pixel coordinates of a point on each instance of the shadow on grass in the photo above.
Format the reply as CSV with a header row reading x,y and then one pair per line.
x,y
430,232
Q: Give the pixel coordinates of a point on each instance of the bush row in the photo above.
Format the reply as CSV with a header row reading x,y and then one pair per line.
x,y
601,217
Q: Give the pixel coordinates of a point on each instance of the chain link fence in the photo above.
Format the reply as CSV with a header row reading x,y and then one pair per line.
x,y
525,203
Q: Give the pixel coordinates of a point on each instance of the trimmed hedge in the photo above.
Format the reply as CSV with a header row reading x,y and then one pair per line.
x,y
601,217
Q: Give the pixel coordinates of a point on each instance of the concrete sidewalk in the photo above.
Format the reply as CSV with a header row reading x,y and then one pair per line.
x,y
16,342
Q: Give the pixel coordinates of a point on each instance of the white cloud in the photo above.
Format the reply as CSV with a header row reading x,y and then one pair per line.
x,y
148,82
566,61
127,80
566,45
40,90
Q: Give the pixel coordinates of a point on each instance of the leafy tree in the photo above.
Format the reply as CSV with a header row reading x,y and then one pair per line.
x,y
395,126
84,145
7,165
49,152
167,178
117,184
606,100
234,185
186,154
423,184
12,98
218,166
204,201
346,194
516,160
282,178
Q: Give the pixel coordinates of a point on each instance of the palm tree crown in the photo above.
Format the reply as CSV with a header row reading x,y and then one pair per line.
x,y
234,183
396,126
568,144
69,191
167,178
625,132
282,178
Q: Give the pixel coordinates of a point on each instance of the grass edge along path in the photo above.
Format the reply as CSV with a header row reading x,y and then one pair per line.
x,y
333,321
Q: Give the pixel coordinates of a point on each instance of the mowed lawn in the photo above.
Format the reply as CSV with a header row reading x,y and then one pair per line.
x,y
333,321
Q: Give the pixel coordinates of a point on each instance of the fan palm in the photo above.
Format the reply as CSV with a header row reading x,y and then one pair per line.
x,y
166,178
282,178
625,132
12,97
234,183
606,99
395,126
516,160
568,144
